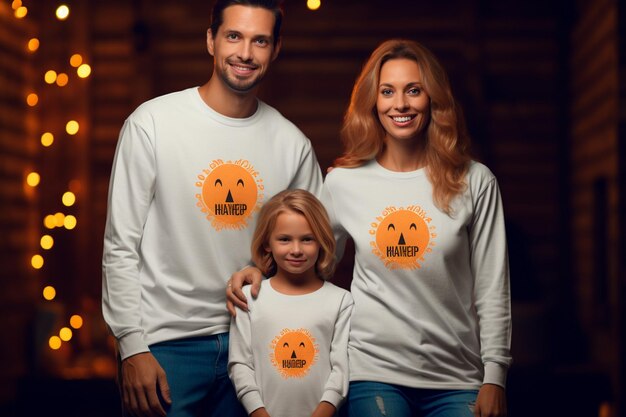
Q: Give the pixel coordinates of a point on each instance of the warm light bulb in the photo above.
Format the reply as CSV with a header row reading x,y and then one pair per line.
x,y
49,293
50,77
16,4
47,139
313,4
62,79
37,261
68,199
65,334
70,222
76,60
21,12
55,342
32,99
33,179
33,44
72,127
49,221
83,71
62,12
46,242
76,321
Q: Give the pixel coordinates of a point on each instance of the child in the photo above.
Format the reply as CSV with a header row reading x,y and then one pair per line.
x,y
288,352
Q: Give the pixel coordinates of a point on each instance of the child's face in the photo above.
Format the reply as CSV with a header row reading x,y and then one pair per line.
x,y
293,245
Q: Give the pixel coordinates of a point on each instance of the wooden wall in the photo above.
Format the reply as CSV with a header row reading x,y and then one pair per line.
x,y
598,194
620,310
594,161
18,201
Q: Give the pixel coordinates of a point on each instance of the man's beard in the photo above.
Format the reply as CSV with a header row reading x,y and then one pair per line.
x,y
239,86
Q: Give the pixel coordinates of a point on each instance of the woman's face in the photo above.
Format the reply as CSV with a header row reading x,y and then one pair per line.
x,y
403,105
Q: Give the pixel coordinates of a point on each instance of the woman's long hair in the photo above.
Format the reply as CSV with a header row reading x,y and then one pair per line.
x,y
446,150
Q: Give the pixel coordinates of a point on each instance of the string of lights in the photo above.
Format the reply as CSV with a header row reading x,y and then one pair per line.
x,y
54,78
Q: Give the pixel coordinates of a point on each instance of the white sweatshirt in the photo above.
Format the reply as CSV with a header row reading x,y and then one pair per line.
x,y
185,188
290,352
431,291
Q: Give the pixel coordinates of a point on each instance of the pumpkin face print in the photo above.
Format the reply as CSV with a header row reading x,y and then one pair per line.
x,y
293,352
230,194
402,238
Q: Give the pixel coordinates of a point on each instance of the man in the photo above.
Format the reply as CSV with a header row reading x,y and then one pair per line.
x,y
191,170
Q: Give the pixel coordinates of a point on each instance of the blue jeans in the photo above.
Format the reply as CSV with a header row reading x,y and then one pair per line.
x,y
196,370
375,399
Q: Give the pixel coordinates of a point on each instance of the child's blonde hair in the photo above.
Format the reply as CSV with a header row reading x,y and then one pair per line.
x,y
306,204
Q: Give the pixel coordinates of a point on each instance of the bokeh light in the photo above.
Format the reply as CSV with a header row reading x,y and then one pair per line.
x,y
21,12
37,261
46,242
49,293
16,4
76,321
313,4
33,179
50,76
55,342
47,139
65,334
49,221
68,199
76,60
62,12
84,71
70,222
72,127
59,219
33,44
32,99
62,79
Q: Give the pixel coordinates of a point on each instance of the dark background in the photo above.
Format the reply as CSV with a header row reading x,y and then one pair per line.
x,y
543,87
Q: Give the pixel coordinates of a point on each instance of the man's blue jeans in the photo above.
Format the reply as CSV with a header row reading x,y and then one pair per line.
x,y
196,371
375,399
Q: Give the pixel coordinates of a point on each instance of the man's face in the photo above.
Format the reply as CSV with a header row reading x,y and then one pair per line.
x,y
243,47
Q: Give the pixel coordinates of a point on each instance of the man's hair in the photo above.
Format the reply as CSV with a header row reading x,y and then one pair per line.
x,y
274,6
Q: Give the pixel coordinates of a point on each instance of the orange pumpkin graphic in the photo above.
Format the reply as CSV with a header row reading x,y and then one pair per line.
x,y
294,352
402,238
229,196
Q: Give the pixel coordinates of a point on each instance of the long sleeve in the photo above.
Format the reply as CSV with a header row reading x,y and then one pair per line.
x,y
241,367
336,387
308,177
131,192
489,264
174,233
341,236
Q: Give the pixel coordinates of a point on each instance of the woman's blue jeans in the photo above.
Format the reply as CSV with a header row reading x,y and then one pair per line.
x,y
375,399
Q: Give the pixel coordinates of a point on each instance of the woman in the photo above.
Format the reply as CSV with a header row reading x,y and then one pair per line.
x,y
431,327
